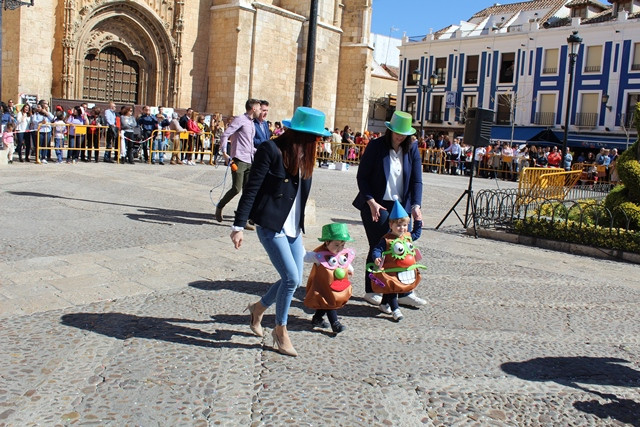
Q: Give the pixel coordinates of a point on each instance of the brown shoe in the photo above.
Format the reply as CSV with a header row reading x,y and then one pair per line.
x,y
218,214
249,227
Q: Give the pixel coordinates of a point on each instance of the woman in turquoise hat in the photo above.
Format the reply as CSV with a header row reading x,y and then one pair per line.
x,y
274,198
390,169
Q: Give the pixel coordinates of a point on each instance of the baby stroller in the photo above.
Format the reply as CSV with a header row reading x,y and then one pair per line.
x,y
137,137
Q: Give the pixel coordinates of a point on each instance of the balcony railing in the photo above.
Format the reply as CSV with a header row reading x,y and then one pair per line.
x,y
586,119
471,79
635,67
503,118
545,119
592,69
550,70
435,117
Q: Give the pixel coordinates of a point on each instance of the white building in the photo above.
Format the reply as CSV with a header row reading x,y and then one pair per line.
x,y
514,60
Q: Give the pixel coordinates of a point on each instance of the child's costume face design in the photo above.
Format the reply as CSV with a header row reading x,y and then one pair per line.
x,y
400,260
337,265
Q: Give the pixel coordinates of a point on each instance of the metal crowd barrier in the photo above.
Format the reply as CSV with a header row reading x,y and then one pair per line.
x,y
184,144
80,141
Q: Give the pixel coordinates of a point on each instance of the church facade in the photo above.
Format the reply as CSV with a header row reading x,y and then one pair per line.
x,y
210,55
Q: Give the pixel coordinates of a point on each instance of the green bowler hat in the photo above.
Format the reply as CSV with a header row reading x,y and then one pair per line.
x,y
401,123
335,231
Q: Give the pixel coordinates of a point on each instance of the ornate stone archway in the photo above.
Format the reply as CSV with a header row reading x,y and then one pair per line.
x,y
135,30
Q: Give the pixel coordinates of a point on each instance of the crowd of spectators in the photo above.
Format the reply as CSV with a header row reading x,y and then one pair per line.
x,y
46,135
499,159
136,137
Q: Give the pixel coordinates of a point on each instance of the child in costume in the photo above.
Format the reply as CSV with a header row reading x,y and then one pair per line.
x,y
395,269
328,287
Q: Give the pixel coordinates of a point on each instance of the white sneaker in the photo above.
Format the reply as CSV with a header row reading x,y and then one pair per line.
x,y
185,162
191,163
384,308
44,161
397,315
412,300
373,298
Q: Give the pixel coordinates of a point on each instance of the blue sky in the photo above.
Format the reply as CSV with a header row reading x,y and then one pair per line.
x,y
416,17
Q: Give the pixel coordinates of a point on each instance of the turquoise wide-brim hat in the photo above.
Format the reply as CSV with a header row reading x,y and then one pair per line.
x,y
401,123
335,231
308,120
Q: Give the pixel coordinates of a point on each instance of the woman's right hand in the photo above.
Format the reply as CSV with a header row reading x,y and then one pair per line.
x,y
375,209
236,238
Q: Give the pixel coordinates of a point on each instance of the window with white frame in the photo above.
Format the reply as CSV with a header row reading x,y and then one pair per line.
x,y
546,114
587,115
411,67
411,106
550,61
441,70
593,63
635,65
471,73
507,64
627,118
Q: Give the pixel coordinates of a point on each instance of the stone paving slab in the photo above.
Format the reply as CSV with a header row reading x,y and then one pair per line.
x,y
133,316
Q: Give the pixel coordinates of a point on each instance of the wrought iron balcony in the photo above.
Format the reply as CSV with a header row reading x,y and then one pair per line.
x,y
545,118
587,120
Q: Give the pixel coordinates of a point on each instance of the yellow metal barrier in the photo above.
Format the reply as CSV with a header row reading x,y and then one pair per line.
x,y
545,183
77,142
185,142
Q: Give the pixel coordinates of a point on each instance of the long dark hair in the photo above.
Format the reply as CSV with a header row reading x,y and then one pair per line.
x,y
289,143
405,144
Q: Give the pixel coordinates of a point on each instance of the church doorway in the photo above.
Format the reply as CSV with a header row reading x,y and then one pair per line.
x,y
110,76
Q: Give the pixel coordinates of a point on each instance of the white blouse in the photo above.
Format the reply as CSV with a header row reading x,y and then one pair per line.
x,y
395,184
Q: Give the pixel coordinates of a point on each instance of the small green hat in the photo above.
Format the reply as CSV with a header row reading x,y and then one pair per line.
x,y
401,123
335,231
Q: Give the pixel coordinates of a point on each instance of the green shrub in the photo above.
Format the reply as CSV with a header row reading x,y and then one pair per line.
x,y
574,232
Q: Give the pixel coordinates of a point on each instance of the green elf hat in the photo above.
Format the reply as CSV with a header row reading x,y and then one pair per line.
x,y
398,211
401,123
335,231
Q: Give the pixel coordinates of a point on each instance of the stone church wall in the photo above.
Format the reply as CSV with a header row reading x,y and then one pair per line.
x,y
209,54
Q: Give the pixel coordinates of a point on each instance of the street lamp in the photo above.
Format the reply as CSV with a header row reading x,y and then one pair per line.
x,y
8,5
605,101
574,42
433,80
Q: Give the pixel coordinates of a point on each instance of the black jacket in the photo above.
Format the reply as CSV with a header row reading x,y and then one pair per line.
x,y
374,170
270,191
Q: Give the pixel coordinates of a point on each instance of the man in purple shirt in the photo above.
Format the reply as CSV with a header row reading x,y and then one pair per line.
x,y
241,132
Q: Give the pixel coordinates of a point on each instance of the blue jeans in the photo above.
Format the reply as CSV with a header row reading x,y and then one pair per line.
x,y
59,144
45,140
159,145
286,255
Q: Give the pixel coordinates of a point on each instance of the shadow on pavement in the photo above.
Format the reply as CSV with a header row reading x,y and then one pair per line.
x,y
123,326
573,371
148,213
246,287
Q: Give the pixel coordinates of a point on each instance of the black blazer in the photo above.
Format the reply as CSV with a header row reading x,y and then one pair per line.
x,y
374,170
270,191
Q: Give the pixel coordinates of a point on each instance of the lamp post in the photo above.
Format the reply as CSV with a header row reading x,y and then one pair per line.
x,y
574,42
433,79
8,5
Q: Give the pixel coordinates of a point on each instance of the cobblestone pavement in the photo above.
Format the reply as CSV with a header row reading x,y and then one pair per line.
x,y
121,304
